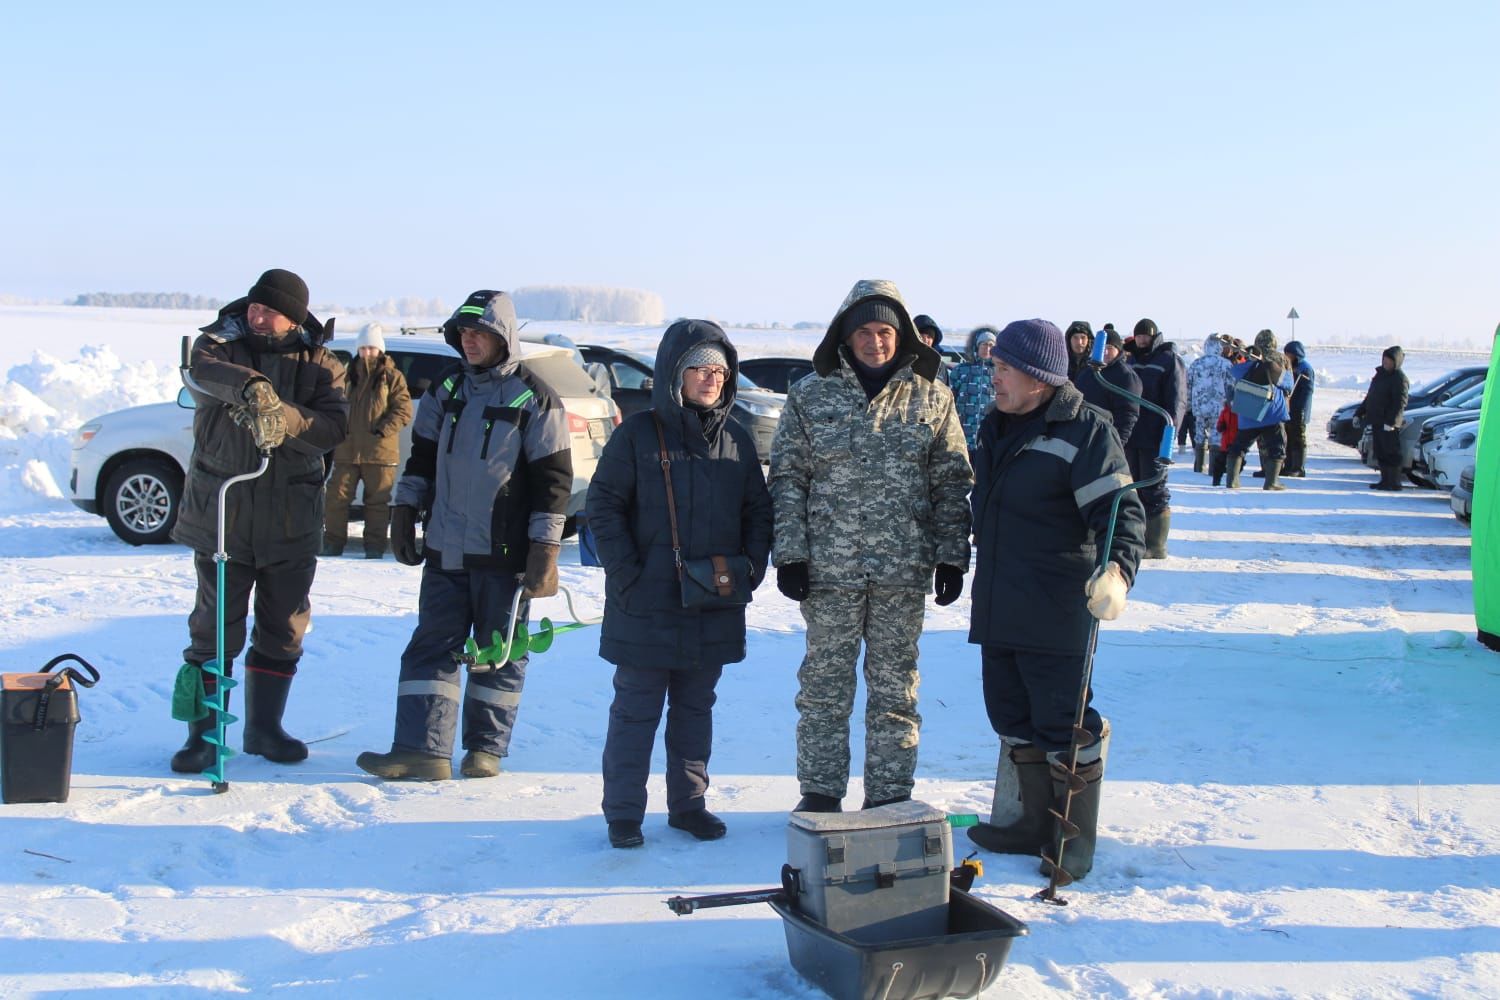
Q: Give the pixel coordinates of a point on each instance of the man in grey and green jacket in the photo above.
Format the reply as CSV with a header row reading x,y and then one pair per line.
x,y
490,471
869,482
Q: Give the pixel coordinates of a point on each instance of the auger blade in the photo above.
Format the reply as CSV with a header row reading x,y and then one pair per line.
x,y
1068,827
1060,876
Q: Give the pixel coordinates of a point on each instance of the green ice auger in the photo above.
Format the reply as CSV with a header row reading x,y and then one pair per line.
x,y
520,642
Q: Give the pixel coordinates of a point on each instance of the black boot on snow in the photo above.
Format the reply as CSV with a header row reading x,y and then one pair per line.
x,y
412,764
1019,820
1083,813
1216,466
814,802
701,823
1158,525
1200,456
625,833
1273,476
197,754
1233,464
265,701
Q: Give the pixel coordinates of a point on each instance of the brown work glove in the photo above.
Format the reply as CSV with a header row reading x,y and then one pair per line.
x,y
268,429
541,570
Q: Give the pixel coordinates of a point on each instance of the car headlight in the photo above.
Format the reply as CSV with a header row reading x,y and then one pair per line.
x,y
86,434
757,409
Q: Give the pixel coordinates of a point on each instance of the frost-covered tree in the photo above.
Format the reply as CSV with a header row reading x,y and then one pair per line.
x,y
589,304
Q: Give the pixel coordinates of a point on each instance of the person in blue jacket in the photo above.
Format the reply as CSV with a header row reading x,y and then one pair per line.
x,y
1266,366
1300,407
665,653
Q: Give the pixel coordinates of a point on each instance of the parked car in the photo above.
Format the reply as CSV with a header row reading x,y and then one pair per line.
x,y
1444,453
776,374
128,466
1344,428
632,375
1463,406
1461,500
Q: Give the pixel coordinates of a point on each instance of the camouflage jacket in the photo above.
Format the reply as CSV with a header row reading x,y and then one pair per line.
x,y
871,491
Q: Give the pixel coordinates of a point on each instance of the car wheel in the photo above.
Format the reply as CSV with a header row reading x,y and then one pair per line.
x,y
140,500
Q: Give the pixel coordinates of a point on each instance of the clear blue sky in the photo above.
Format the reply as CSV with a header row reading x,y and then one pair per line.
x,y
1207,164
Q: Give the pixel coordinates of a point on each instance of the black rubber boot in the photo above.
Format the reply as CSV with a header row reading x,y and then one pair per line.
x,y
265,701
400,763
1019,819
1083,813
1216,466
197,755
1390,479
1234,464
1158,525
1200,456
701,823
814,802
1273,476
625,833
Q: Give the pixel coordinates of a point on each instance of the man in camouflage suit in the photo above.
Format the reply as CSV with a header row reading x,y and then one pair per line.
x,y
870,481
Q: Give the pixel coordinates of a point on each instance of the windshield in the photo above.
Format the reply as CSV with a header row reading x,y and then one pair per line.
x,y
1467,399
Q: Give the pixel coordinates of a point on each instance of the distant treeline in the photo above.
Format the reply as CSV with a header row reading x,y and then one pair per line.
x,y
146,300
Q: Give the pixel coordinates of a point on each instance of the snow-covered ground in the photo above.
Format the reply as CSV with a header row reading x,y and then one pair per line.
x,y
1301,800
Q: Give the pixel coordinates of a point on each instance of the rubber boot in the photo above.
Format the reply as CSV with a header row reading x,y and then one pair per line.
x,y
1293,466
197,754
265,701
816,802
1273,476
1390,479
412,764
1157,527
1019,819
1082,811
1235,464
1216,467
479,764
1200,456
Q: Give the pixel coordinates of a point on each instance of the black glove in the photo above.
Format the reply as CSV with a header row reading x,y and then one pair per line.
x,y
404,536
947,584
792,581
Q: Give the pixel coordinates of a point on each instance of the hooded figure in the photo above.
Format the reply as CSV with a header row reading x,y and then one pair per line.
x,y
379,406
662,651
490,474
870,481
973,394
1266,366
1300,406
1384,410
264,384
1207,380
1163,382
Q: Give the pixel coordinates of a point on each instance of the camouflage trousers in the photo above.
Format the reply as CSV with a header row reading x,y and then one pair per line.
x,y
888,622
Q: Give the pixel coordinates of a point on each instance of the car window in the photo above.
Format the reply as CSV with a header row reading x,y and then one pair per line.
x,y
627,375
562,373
1468,397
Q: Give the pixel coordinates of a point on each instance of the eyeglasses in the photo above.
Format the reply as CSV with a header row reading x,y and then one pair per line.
x,y
707,372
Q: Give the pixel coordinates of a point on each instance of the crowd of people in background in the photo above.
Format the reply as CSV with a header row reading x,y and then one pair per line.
x,y
891,475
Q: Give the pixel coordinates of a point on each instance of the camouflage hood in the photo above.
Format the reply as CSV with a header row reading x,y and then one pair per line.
x,y
491,311
926,361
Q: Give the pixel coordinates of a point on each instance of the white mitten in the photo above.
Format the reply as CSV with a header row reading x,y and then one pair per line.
x,y
1106,592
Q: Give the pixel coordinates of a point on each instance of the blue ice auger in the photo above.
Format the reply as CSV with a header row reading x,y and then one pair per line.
x,y
218,702
1066,828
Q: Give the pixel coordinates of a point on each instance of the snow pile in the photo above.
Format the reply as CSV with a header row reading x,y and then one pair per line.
x,y
45,400
589,304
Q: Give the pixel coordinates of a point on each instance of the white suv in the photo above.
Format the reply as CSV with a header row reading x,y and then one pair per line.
x,y
128,465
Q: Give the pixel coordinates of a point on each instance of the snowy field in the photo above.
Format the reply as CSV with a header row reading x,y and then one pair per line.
x,y
1301,798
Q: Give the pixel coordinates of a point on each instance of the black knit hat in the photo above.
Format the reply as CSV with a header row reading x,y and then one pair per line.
x,y
1145,328
1113,338
876,310
924,324
1036,347
1079,326
283,291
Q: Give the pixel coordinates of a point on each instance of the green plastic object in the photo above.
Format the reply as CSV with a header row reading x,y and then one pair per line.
x,y
1484,544
523,644
960,820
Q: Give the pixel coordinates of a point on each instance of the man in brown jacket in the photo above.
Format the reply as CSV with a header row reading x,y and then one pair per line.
x,y
379,406
263,383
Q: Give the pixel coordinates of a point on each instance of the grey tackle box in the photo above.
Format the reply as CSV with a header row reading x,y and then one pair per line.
x,y
874,875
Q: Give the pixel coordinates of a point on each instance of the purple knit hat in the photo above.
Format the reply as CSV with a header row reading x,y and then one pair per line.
x,y
1036,347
